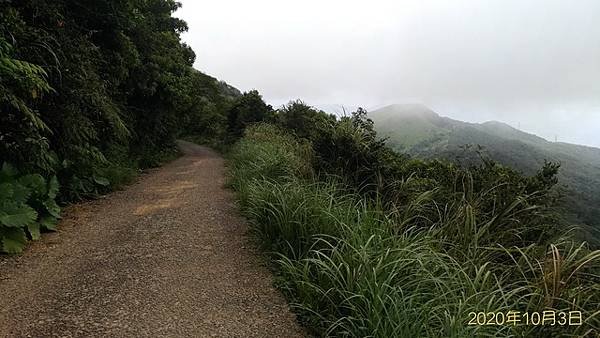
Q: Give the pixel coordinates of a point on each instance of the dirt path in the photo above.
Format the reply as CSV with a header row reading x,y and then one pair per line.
x,y
167,257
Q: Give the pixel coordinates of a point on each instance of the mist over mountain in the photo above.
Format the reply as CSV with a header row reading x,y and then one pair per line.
x,y
336,109
421,132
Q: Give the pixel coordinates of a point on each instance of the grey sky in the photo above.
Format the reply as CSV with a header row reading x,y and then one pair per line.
x,y
533,63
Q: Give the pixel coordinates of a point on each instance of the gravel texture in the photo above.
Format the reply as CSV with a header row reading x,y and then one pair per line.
x,y
168,256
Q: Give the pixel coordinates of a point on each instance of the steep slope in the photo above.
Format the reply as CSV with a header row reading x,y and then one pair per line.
x,y
418,130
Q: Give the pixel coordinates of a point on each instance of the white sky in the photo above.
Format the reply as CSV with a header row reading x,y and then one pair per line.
x,y
533,63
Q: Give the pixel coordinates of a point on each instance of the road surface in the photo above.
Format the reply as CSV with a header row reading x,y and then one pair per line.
x,y
169,256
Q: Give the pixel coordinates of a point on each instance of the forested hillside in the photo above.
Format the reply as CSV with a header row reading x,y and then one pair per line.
x,y
419,131
90,92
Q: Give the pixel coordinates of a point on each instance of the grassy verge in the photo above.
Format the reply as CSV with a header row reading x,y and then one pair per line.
x,y
352,268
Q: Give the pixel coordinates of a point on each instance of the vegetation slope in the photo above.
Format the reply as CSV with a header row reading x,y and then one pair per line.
x,y
372,243
419,131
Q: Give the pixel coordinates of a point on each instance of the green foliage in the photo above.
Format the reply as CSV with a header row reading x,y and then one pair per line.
x,y
27,206
266,152
93,91
303,121
349,149
246,110
91,86
205,121
414,252
23,133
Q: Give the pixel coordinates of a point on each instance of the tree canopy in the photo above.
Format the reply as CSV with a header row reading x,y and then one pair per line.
x,y
90,86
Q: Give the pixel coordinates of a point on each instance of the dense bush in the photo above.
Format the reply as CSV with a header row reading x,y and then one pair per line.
x,y
246,110
414,259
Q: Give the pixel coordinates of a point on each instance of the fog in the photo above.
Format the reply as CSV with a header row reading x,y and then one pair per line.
x,y
529,63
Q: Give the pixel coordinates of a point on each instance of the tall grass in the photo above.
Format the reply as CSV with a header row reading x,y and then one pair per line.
x,y
354,267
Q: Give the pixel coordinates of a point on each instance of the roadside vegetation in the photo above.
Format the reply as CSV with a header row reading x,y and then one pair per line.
x,y
370,243
91,93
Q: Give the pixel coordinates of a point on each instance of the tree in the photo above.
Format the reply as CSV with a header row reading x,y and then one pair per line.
x,y
303,120
23,133
247,109
123,88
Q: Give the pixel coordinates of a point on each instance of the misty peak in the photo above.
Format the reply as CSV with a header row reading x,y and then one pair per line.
x,y
404,110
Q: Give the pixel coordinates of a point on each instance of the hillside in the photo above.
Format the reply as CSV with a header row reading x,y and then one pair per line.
x,y
417,130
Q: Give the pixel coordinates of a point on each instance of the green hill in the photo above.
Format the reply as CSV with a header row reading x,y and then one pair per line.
x,y
419,131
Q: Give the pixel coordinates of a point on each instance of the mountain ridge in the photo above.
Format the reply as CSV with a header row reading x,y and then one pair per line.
x,y
421,110
421,132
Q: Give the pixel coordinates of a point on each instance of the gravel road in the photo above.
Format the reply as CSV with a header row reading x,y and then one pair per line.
x,y
167,257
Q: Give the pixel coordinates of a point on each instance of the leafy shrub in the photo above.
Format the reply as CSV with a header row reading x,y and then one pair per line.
x,y
27,206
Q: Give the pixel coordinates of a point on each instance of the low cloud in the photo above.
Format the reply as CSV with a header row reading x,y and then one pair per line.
x,y
533,64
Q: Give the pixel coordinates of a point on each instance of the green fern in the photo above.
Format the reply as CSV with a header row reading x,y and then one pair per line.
x,y
29,76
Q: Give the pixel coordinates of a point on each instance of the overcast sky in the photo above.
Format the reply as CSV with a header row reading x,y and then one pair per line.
x,y
533,63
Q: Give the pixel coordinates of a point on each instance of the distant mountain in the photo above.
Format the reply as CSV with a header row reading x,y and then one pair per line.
x,y
417,130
